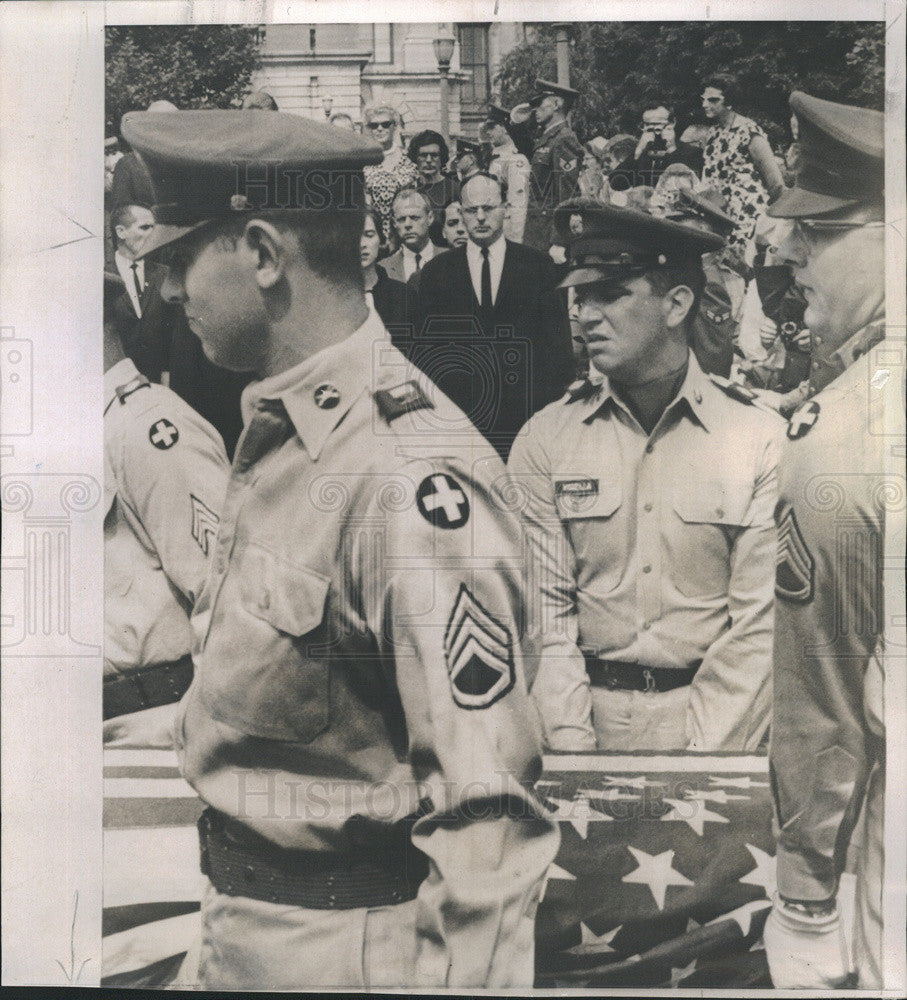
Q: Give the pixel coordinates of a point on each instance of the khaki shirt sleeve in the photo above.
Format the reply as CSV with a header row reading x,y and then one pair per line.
x,y
730,697
518,174
172,497
561,690
447,614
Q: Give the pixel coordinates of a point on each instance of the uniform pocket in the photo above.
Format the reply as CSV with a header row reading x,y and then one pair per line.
x,y
589,509
272,675
711,513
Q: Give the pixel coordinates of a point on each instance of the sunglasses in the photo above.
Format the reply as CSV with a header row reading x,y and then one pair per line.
x,y
374,126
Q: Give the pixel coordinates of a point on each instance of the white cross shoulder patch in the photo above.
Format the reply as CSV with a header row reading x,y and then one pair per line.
x,y
479,653
204,523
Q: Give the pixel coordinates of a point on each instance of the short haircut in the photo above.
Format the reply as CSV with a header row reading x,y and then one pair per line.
x,y
689,273
340,114
726,84
411,192
122,215
620,149
453,201
260,100
328,238
501,183
428,137
655,104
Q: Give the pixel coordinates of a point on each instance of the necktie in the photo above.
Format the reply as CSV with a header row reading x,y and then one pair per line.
x,y
486,303
135,277
418,261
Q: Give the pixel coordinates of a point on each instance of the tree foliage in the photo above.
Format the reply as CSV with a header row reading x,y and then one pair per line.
x,y
203,66
620,67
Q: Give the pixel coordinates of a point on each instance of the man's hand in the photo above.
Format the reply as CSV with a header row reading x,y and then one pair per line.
x,y
805,950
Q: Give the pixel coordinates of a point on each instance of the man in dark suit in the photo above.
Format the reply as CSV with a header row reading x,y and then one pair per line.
x,y
491,330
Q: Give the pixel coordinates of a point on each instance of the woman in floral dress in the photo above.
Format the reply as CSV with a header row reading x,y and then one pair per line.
x,y
738,162
385,179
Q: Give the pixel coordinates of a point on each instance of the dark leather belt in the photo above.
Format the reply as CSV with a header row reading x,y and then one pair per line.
x,y
159,684
620,676
239,862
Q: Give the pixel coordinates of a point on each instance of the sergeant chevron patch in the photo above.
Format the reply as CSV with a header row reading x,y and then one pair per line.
x,y
795,564
479,652
204,523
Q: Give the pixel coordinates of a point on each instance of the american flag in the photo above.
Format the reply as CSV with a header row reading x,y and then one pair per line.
x,y
664,876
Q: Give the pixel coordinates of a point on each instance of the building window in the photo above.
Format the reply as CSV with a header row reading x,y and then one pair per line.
x,y
382,43
474,58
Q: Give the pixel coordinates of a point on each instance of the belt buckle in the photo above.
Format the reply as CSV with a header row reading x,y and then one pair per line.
x,y
650,681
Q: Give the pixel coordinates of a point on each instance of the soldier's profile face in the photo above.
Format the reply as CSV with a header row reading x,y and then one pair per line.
x,y
623,325
213,280
839,267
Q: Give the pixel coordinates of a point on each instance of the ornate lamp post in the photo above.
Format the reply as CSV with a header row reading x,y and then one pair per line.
x,y
444,50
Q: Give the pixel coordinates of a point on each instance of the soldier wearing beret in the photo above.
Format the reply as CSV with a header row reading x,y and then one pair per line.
x,y
648,491
556,161
359,723
165,475
837,508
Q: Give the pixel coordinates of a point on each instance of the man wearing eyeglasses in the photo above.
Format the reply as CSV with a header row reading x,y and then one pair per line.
x,y
835,601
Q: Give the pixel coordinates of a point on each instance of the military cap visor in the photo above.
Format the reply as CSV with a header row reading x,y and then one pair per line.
x,y
206,165
607,242
545,88
841,160
496,115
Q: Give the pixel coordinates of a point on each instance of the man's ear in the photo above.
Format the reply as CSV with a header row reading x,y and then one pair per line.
x,y
678,303
270,250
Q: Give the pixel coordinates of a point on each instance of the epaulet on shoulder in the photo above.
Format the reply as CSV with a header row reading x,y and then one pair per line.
x,y
400,399
741,393
580,389
128,388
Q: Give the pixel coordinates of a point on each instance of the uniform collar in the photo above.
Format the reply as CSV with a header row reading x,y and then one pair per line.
x,y
859,344
121,374
552,129
697,395
345,368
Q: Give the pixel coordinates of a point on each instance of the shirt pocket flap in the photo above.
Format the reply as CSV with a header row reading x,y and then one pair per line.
x,y
291,598
582,497
712,501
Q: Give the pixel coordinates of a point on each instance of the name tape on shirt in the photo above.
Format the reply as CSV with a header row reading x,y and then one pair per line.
x,y
204,523
479,654
576,487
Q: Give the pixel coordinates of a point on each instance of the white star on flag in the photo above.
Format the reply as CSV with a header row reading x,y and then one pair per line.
x,y
555,871
610,795
764,873
693,813
743,915
602,942
678,974
718,795
578,813
639,781
656,872
746,782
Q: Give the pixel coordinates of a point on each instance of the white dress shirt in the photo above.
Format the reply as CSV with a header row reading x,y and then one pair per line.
x,y
409,259
495,262
124,266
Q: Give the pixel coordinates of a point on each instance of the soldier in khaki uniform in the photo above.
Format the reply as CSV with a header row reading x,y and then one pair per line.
x,y
511,167
837,504
556,161
648,494
165,475
359,723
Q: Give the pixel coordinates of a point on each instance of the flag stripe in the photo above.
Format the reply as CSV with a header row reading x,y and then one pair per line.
x,y
641,763
148,813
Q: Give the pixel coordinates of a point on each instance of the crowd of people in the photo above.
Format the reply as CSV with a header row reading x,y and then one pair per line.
x,y
489,453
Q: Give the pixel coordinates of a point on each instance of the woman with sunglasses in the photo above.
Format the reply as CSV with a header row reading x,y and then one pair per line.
x,y
396,171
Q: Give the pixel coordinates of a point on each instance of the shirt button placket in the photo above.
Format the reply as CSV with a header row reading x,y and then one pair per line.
x,y
648,539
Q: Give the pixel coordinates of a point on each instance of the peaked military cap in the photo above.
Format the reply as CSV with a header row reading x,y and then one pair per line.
x,y
545,87
841,159
700,210
498,115
607,242
213,164
465,145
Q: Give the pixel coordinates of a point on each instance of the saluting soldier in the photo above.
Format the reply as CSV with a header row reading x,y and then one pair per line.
x,y
834,599
556,161
165,476
359,723
510,166
648,493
